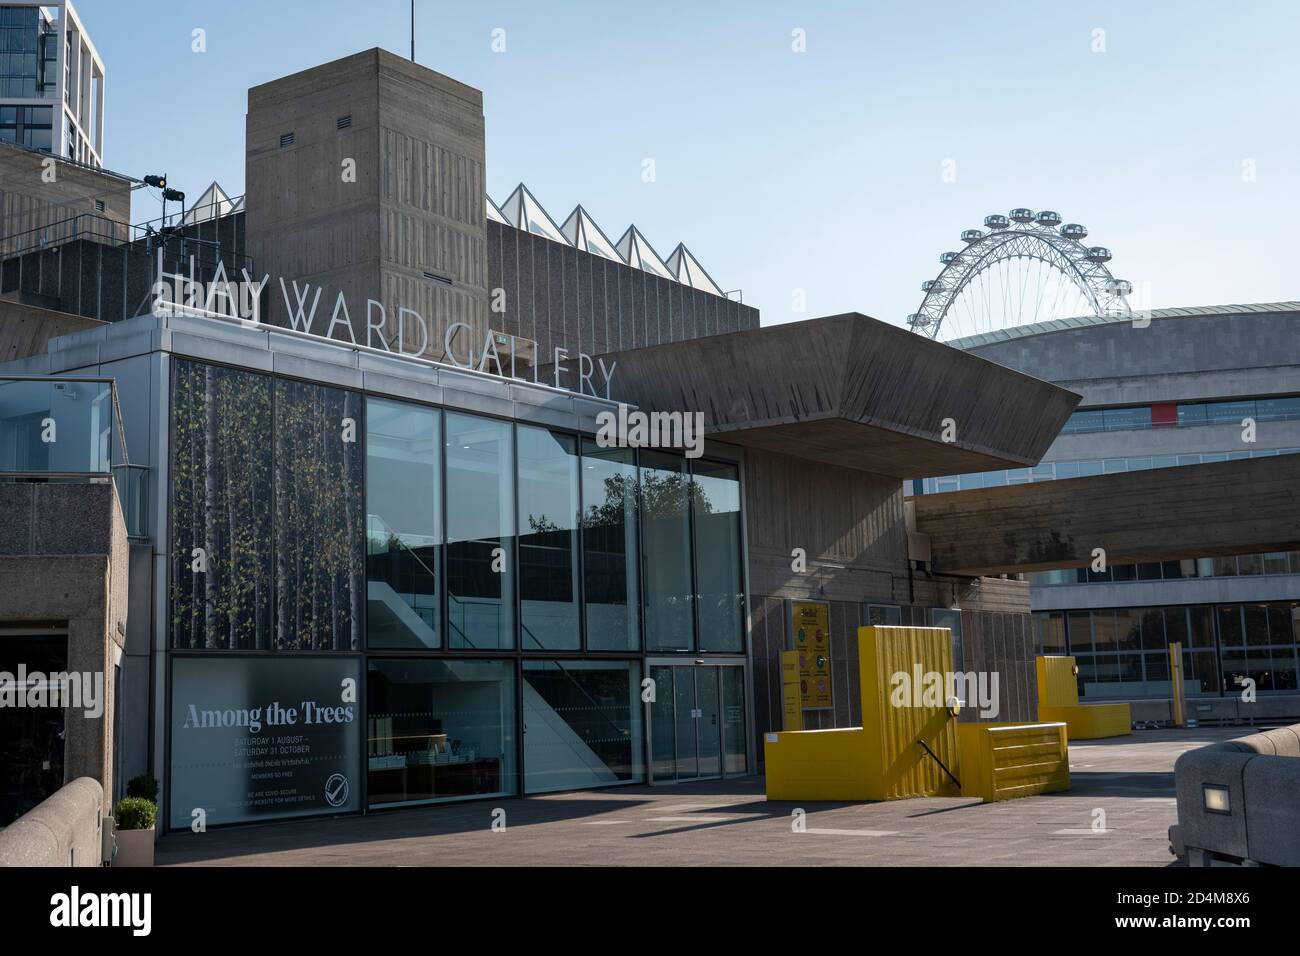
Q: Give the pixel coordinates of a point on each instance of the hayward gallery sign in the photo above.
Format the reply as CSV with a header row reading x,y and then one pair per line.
x,y
242,300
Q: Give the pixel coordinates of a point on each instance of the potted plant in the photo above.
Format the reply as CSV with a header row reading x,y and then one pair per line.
x,y
135,818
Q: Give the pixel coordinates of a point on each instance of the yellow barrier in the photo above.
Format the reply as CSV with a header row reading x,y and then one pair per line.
x,y
1058,700
1004,761
882,760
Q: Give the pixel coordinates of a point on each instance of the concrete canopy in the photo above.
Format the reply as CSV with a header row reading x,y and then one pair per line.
x,y
853,391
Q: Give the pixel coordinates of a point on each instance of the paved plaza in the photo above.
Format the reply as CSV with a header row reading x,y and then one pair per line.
x,y
1129,779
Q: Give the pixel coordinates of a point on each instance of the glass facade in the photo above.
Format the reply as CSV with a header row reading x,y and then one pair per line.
x,y
548,540
609,548
666,553
480,532
495,583
403,525
1123,652
28,54
582,724
717,556
439,730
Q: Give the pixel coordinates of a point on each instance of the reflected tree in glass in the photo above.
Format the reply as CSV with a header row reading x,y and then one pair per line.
x,y
609,532
548,542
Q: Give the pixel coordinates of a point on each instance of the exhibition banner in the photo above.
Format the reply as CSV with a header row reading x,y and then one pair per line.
x,y
256,738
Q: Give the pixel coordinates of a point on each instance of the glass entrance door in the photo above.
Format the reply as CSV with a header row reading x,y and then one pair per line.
x,y
697,724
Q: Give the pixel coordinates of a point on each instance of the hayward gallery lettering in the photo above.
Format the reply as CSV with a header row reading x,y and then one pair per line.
x,y
241,300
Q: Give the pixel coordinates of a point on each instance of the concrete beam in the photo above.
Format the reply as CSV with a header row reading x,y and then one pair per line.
x,y
1229,507
853,391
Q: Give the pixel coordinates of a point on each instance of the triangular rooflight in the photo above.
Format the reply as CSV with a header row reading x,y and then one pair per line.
x,y
581,230
637,251
689,271
523,211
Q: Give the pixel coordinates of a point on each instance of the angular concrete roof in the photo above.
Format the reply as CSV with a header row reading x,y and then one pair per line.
x,y
852,391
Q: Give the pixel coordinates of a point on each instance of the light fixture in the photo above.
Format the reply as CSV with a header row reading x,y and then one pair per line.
x,y
1216,799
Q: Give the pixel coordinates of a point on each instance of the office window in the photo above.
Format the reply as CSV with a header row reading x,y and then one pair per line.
x,y
1122,419
439,730
718,574
548,540
582,723
609,545
1200,673
221,508
480,532
403,525
319,517
1277,409
666,552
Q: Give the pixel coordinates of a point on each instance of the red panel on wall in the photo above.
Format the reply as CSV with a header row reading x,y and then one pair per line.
x,y
1164,414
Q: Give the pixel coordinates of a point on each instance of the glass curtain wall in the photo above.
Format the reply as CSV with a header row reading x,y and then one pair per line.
x,y
439,730
666,552
480,532
609,548
718,575
403,525
548,540
582,724
1124,652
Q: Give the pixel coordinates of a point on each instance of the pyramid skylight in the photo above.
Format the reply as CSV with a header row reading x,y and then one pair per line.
x,y
523,211
689,271
212,204
581,230
637,251
493,213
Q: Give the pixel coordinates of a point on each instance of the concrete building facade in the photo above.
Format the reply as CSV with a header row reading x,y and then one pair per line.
x,y
1190,387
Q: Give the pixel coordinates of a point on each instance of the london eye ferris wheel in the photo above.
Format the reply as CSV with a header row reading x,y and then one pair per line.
x,y
1021,268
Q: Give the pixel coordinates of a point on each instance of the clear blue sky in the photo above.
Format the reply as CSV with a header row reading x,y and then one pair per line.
x,y
818,171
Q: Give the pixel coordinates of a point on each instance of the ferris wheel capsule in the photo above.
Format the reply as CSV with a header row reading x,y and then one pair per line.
x,y
997,222
1072,230
948,257
1098,254
1022,215
932,285
972,235
1048,218
1119,287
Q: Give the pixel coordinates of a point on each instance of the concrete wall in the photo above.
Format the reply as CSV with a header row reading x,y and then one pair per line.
x,y
64,560
66,829
1173,345
26,330
563,297
28,200
851,525
416,205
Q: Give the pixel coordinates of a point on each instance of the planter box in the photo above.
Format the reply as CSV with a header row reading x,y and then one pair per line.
x,y
134,847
